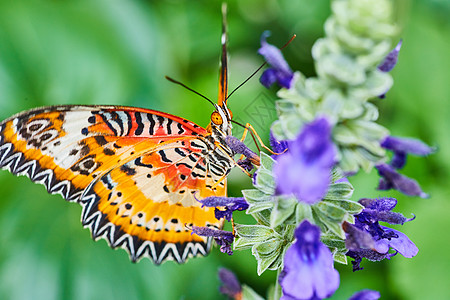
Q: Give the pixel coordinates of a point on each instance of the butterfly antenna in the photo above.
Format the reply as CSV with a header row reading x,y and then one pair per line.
x,y
260,67
188,88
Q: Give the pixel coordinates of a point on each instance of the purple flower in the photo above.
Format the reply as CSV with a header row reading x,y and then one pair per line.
x,y
305,170
308,267
389,62
245,164
383,238
239,147
391,179
278,147
366,295
403,146
280,71
230,204
230,284
223,238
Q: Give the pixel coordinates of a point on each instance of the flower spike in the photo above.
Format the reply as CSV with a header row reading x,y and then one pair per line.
x,y
280,71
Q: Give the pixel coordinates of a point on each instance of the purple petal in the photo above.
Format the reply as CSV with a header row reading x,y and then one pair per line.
x,y
305,170
280,70
383,204
229,204
407,145
398,160
402,243
223,238
391,59
277,146
400,182
384,185
268,77
239,147
215,201
308,266
246,164
356,238
366,295
230,284
388,216
381,246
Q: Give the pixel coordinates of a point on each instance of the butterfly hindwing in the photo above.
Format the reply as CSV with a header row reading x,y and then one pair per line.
x,y
134,171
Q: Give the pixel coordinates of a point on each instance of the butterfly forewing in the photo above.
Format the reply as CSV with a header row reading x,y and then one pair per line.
x,y
134,171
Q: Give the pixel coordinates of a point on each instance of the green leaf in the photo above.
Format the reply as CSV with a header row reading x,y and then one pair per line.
x,y
268,246
278,131
330,211
334,227
340,190
303,212
283,209
257,200
253,231
254,208
255,196
249,294
265,181
351,207
267,161
340,258
262,217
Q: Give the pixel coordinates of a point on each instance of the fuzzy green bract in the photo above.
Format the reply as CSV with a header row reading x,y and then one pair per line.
x,y
358,36
278,216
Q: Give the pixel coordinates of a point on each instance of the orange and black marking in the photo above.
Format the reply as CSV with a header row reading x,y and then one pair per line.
x,y
134,171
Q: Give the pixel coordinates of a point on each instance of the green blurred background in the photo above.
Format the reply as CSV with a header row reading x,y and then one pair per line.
x,y
117,52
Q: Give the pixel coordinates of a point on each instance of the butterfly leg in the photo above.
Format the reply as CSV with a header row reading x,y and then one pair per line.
x,y
249,128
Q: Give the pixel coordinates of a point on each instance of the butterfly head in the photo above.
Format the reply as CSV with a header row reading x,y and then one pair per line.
x,y
221,118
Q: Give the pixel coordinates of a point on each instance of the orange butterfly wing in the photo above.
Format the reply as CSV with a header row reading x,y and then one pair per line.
x,y
134,171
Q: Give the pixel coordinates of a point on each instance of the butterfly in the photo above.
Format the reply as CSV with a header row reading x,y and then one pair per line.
x,y
136,172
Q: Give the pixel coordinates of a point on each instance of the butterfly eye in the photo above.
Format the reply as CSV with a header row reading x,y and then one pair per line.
x,y
216,118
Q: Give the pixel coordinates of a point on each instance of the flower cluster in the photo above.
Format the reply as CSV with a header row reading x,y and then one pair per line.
x,y
368,239
326,132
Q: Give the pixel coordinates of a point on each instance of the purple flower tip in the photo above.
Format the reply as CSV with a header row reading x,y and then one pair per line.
x,y
366,295
230,284
389,63
392,179
403,146
239,147
391,59
278,147
223,238
228,204
308,271
306,168
246,164
280,71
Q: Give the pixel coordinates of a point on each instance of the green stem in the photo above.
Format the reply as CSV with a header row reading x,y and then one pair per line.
x,y
277,290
